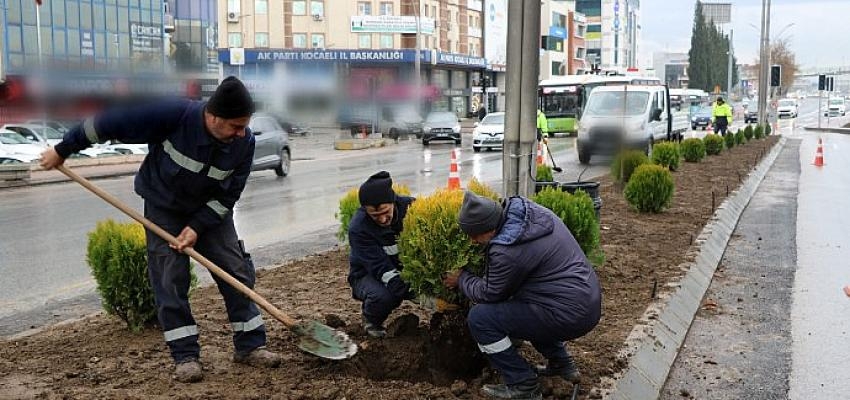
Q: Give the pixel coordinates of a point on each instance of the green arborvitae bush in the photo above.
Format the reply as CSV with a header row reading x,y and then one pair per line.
x,y
758,132
482,190
650,189
767,130
748,132
740,138
577,212
544,173
630,159
666,154
693,150
432,244
729,139
350,203
713,144
117,256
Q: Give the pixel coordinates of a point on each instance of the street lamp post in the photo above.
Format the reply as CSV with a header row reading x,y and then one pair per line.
x,y
417,64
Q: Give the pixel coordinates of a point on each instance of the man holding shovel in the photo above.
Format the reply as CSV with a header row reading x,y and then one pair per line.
x,y
199,160
537,286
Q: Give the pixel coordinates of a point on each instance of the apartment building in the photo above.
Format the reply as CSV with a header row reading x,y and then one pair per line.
x,y
339,47
577,48
613,33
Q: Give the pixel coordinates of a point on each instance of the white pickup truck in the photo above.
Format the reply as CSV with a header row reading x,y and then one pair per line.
x,y
615,117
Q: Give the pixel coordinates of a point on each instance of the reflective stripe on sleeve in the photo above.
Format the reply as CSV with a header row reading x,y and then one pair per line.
x,y
496,347
91,133
181,159
181,332
218,174
389,275
219,209
391,250
248,325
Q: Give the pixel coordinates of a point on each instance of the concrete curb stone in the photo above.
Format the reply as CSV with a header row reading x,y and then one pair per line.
x,y
654,344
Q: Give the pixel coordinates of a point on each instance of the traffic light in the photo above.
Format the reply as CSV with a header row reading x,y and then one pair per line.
x,y
821,82
775,75
831,83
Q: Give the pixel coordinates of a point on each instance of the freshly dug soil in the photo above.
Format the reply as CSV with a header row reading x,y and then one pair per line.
x,y
98,358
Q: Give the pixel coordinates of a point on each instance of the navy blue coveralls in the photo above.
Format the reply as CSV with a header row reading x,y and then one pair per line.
x,y
538,286
187,179
374,264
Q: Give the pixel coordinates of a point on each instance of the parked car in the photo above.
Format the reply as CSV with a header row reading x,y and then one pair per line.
x,y
272,150
95,152
836,107
489,133
14,143
128,148
787,108
60,126
701,118
10,158
38,134
441,125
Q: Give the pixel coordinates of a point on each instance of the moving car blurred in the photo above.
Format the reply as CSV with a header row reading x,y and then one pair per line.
x,y
489,133
701,118
441,125
272,150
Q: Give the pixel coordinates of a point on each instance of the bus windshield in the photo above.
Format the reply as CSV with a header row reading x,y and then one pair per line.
x,y
560,103
611,103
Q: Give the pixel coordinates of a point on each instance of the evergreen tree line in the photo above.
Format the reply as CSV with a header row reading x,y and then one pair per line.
x,y
709,62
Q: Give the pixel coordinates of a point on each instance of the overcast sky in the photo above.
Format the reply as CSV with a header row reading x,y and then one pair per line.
x,y
820,34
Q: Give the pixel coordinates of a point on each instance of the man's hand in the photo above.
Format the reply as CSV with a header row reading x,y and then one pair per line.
x,y
451,279
186,239
435,304
51,159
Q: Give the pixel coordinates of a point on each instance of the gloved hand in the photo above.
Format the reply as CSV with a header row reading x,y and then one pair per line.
x,y
435,304
400,289
546,140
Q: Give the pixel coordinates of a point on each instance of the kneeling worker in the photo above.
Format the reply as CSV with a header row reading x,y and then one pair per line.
x,y
374,263
537,286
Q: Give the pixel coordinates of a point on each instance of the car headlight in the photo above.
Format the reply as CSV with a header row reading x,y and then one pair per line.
x,y
456,129
426,128
694,119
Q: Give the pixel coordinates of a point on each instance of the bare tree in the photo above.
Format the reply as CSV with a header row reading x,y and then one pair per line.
x,y
781,54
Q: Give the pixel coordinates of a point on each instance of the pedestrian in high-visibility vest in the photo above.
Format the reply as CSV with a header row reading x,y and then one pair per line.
x,y
721,116
542,126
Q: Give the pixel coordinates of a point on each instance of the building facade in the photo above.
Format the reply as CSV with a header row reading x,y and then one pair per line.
x,y
298,46
671,68
613,33
577,47
554,40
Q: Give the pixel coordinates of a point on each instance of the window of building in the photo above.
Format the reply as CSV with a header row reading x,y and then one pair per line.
x,y
318,40
261,39
556,68
590,8
299,40
233,6
299,7
364,41
580,52
73,43
581,30
85,16
14,35
364,8
234,39
317,7
594,28
261,6
434,11
386,8
72,18
387,41
559,20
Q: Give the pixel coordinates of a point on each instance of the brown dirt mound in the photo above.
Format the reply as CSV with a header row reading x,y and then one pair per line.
x,y
98,358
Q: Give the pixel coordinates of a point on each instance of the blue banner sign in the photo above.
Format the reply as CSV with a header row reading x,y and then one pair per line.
x,y
253,56
460,59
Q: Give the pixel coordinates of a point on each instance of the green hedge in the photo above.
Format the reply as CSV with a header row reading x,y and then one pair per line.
x,y
748,132
740,138
577,212
544,173
630,159
713,144
666,154
729,139
693,150
650,189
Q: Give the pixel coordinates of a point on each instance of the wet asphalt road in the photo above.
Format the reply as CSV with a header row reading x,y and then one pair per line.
x,y
43,240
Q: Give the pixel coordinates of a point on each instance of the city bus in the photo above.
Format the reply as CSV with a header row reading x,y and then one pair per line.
x,y
561,98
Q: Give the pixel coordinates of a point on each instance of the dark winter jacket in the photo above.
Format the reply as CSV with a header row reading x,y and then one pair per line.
x,y
374,249
187,170
534,259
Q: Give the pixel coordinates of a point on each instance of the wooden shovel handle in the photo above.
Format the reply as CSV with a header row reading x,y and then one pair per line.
x,y
214,269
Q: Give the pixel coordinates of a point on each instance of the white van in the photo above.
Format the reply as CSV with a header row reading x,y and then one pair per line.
x,y
615,117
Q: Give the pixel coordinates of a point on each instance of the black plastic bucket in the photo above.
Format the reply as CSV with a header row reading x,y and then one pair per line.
x,y
591,188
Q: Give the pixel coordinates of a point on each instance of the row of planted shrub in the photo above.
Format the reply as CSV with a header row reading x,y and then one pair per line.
x,y
649,184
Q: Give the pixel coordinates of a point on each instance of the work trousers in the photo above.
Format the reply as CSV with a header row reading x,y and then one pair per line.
x,y
168,271
493,326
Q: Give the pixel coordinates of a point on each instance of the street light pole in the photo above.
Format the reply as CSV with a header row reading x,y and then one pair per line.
x,y
763,60
417,64
731,66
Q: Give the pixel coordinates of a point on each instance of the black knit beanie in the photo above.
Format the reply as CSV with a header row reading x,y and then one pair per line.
x,y
231,100
479,214
377,190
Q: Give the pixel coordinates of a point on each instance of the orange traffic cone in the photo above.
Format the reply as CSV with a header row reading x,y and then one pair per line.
x,y
363,132
819,156
847,291
454,176
539,154
710,128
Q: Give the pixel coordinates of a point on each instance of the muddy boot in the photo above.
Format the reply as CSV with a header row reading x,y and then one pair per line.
x,y
374,330
188,371
529,390
565,369
259,357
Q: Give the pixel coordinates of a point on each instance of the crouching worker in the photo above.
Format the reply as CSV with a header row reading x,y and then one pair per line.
x,y
374,264
537,286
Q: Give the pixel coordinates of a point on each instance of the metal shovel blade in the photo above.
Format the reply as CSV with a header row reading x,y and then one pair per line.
x,y
324,341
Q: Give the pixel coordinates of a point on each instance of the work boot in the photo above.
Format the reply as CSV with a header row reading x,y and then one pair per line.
x,y
529,390
374,330
188,371
565,369
259,357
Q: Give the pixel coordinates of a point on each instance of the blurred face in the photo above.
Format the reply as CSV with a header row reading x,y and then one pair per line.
x,y
483,238
382,214
225,130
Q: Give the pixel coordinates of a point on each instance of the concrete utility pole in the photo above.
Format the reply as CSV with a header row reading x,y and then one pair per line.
x,y
729,82
418,63
764,59
523,69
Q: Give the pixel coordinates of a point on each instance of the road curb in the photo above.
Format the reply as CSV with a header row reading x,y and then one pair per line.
x,y
830,130
654,344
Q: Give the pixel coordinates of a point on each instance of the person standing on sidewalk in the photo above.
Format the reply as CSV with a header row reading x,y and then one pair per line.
x,y
721,116
199,160
542,126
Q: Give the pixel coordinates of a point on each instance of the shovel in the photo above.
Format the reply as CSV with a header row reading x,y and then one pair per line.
x,y
316,338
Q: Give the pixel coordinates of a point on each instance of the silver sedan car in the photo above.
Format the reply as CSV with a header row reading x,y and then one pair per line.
x,y
272,150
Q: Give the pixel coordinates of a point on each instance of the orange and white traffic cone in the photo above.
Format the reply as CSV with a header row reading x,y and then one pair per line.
x,y
819,156
710,128
847,291
454,176
539,154
363,134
